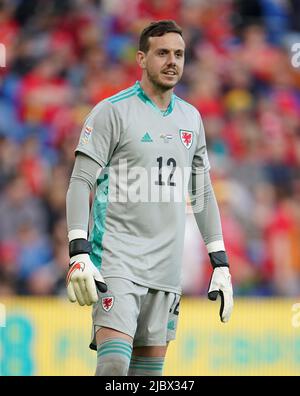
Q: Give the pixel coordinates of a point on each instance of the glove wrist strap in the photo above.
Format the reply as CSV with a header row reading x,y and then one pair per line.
x,y
79,246
218,259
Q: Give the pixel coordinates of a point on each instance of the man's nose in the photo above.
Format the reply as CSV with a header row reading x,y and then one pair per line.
x,y
171,59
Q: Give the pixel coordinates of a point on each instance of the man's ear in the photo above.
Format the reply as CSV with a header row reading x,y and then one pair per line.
x,y
141,59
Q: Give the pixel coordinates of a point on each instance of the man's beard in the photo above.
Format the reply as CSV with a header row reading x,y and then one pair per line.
x,y
163,87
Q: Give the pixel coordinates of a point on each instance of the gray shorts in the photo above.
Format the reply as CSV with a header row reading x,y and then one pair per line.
x,y
148,316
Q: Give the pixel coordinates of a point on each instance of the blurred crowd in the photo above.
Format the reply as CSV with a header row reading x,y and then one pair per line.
x,y
64,56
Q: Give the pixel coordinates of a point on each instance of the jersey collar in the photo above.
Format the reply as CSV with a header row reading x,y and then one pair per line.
x,y
142,95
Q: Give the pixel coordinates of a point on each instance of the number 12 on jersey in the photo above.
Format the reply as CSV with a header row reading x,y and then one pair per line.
x,y
170,163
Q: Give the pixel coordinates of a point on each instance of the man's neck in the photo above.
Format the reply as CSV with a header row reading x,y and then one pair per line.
x,y
161,98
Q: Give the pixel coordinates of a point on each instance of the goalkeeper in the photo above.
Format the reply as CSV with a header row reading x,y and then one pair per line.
x,y
125,253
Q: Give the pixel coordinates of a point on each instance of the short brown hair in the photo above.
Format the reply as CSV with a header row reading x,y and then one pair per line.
x,y
157,29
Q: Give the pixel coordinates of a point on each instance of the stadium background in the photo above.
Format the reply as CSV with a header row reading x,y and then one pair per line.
x,y
62,57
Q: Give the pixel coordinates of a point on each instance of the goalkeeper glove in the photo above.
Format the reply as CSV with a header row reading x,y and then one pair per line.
x,y
83,278
220,284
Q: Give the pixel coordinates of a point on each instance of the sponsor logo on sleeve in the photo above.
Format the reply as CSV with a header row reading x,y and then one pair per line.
x,y
86,134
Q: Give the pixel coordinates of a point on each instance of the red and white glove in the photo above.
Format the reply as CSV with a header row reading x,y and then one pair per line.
x,y
83,280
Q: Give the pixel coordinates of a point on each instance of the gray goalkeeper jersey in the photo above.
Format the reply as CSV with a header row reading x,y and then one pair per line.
x,y
138,216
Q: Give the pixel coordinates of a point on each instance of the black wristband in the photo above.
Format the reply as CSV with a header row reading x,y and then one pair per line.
x,y
78,246
219,259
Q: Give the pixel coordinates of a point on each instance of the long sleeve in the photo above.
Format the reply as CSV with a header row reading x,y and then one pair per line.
x,y
206,211
82,180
